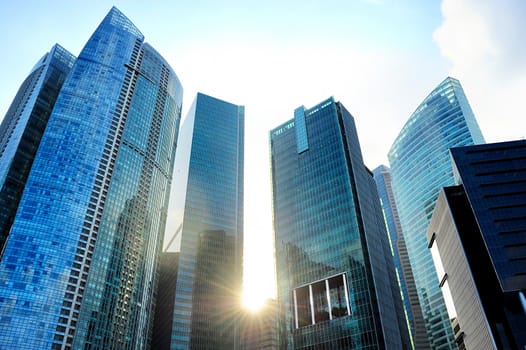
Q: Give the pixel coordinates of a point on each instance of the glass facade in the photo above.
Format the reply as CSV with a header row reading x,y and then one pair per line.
x,y
209,177
162,327
382,177
79,268
420,167
335,275
23,126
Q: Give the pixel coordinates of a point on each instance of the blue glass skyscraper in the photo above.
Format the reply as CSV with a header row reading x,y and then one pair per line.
x,y
420,167
382,177
337,287
209,188
23,126
79,268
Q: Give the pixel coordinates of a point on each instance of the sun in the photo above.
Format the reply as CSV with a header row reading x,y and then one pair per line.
x,y
253,301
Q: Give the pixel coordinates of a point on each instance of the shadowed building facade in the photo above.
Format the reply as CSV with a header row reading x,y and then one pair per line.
x,y
79,268
162,326
420,167
477,237
209,199
336,281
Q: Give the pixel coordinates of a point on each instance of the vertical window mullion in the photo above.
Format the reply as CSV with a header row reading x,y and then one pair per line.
x,y
295,309
328,292
311,299
346,294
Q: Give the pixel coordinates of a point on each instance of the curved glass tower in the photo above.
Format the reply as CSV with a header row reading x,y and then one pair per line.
x,y
79,268
420,167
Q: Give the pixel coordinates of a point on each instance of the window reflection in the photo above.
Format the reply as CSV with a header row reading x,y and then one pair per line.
x,y
321,301
338,298
321,304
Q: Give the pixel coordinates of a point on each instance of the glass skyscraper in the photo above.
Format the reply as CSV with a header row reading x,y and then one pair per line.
x,y
420,167
79,268
382,177
209,194
162,326
336,281
23,126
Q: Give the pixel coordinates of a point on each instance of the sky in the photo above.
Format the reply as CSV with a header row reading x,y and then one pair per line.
x,y
380,58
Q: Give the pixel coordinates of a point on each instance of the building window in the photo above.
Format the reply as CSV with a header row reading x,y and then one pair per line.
x,y
321,301
302,307
338,296
321,305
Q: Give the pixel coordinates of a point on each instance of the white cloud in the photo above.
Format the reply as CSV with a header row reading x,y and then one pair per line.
x,y
464,24
484,41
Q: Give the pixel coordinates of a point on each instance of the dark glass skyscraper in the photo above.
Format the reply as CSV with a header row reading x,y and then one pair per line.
x,y
382,177
420,167
209,187
23,126
79,268
163,318
337,287
477,237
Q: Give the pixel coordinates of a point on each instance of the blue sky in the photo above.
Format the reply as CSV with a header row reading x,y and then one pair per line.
x,y
380,58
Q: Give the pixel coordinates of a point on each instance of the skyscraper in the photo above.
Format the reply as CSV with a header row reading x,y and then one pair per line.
x,y
79,268
382,177
477,237
23,126
209,188
335,275
420,167
259,330
163,318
